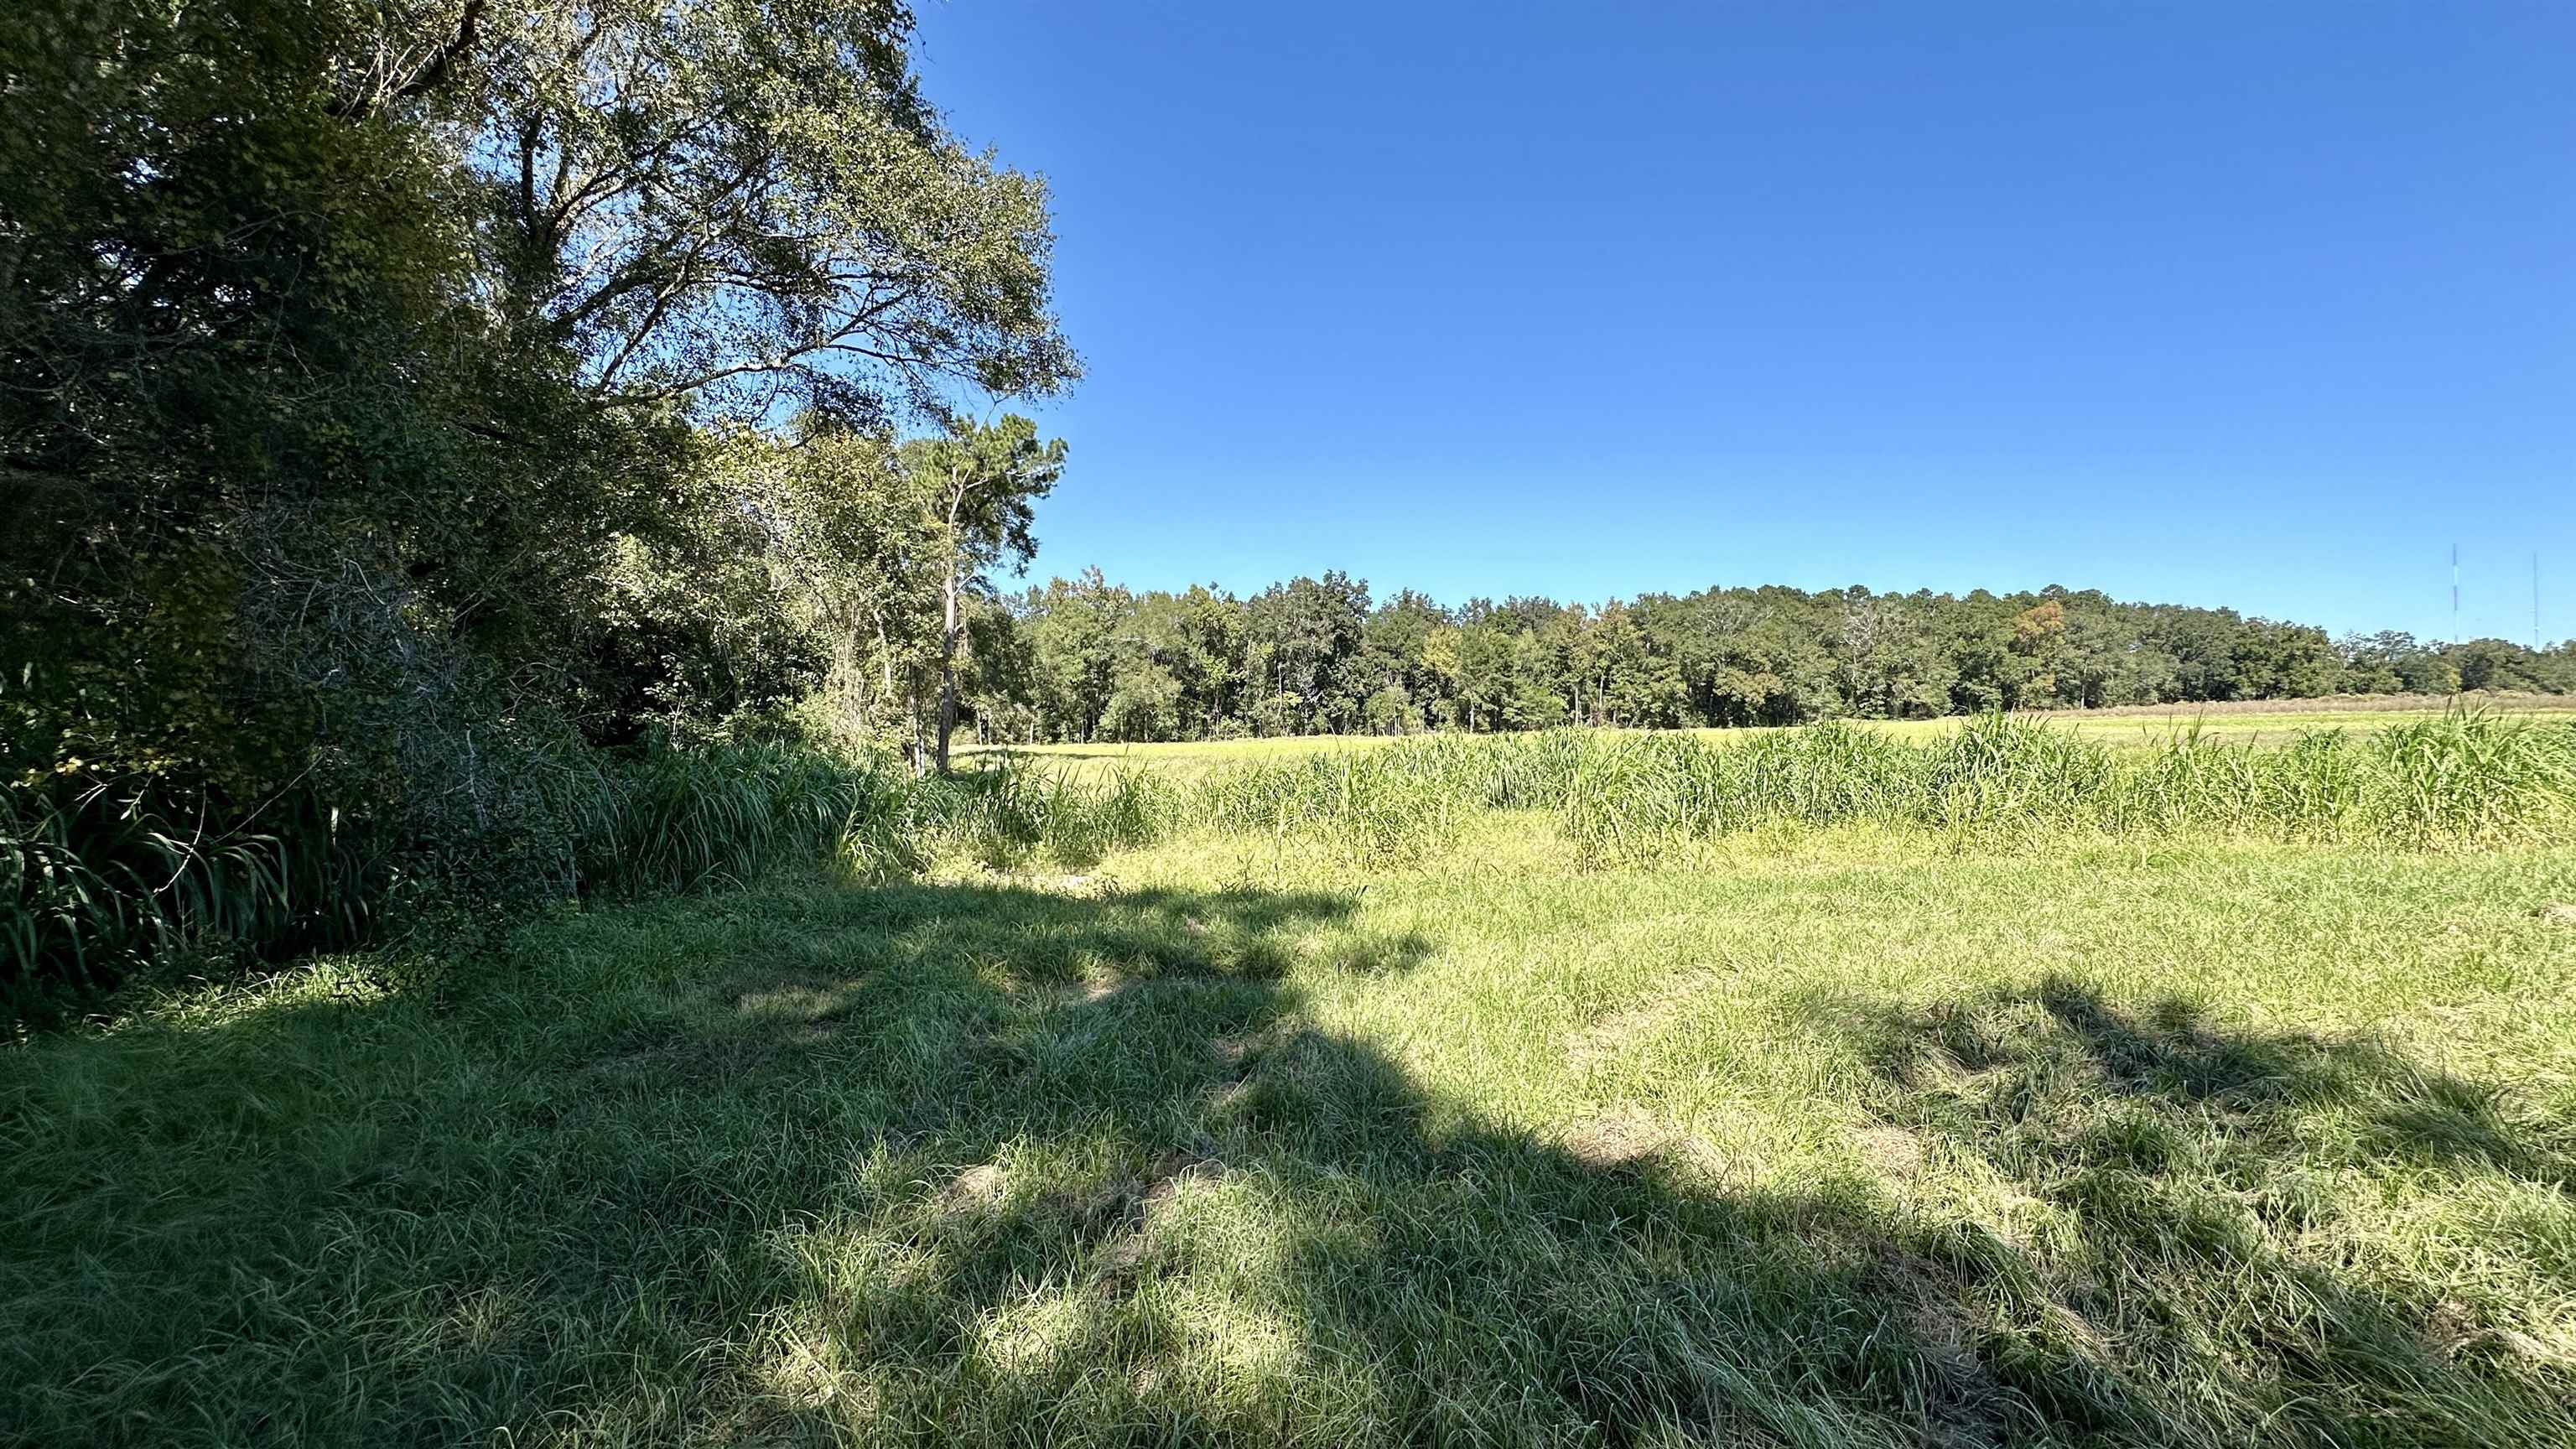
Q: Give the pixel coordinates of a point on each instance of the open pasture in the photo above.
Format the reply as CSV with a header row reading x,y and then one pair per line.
x,y
1134,1121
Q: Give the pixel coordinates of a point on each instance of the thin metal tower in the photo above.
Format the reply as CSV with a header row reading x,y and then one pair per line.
x,y
2455,593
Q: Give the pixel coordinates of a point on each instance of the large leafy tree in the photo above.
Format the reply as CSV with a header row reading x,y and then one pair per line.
x,y
827,519
1077,627
1208,656
374,378
747,206
406,306
261,456
1307,635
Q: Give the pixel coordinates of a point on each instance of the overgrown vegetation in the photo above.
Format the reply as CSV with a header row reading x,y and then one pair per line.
x,y
110,879
149,884
452,453
2461,779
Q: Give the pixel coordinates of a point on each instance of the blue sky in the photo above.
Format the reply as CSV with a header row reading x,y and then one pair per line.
x,y
2257,305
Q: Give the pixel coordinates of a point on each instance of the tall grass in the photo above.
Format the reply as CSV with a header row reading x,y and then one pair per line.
x,y
97,879
1010,813
2464,779
100,879
1402,799
680,820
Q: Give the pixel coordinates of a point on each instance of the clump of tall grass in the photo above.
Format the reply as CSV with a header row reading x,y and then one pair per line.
x,y
1632,792
683,819
1999,777
2469,778
1388,804
2472,776
2461,780
1509,772
100,877
1010,812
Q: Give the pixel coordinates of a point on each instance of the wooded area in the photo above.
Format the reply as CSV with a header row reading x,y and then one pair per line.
x,y
1084,659
410,414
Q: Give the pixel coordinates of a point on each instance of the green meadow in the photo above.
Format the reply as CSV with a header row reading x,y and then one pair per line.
x,y
1866,1105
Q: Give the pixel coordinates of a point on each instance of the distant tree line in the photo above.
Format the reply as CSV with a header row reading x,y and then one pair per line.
x,y
1085,659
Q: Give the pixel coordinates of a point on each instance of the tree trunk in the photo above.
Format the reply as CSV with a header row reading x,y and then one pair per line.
x,y
919,749
947,664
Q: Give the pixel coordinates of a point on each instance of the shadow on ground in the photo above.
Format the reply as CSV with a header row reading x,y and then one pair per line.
x,y
971,1164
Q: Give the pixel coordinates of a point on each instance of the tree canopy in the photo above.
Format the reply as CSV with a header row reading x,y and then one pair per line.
x,y
1316,655
398,400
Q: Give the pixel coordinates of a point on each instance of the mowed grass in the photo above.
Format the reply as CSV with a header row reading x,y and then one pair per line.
x,y
1839,1137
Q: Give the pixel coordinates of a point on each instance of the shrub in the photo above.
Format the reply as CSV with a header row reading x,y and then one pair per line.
x,y
101,877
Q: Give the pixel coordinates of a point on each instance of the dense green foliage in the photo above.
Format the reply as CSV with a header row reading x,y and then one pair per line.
x,y
1083,659
414,416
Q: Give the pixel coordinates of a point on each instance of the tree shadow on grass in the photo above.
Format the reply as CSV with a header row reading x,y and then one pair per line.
x,y
2063,1038
1282,1238
958,1164
2214,1244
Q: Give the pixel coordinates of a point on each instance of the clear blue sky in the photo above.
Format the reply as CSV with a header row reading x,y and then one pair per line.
x,y
2250,304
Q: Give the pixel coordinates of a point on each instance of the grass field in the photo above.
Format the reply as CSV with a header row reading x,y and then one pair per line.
x,y
2264,722
1839,1136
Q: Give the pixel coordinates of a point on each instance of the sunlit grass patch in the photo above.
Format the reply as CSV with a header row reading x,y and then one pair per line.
x,y
1850,1133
